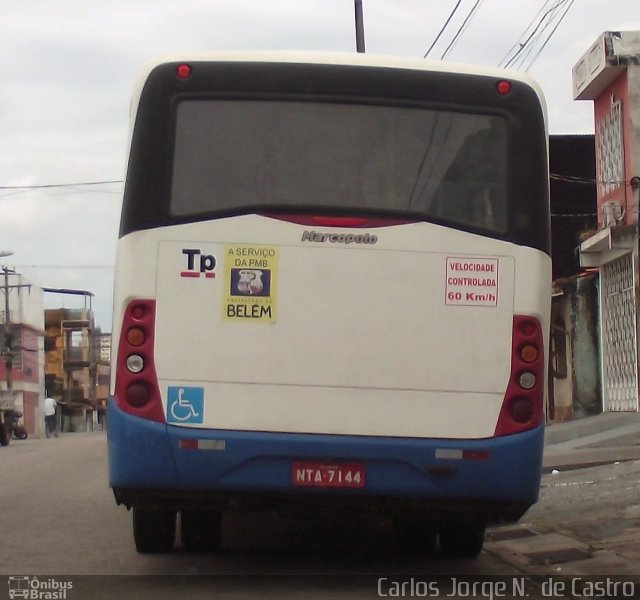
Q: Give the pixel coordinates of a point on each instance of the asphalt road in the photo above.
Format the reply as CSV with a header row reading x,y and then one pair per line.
x,y
59,519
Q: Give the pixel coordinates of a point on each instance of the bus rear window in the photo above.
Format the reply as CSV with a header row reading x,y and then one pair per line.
x,y
234,154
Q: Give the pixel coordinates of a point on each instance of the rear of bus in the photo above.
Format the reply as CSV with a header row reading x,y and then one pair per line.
x,y
332,291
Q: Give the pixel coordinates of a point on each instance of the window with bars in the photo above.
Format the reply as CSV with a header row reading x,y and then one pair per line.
x,y
611,150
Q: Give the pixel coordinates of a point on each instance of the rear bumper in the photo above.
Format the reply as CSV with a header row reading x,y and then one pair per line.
x,y
154,463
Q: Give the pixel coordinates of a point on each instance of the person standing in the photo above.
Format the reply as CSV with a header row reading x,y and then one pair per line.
x,y
50,416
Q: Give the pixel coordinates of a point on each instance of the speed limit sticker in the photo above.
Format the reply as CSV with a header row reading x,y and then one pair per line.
x,y
472,281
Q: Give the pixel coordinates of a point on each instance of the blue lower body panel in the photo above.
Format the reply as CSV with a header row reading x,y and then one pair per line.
x,y
494,479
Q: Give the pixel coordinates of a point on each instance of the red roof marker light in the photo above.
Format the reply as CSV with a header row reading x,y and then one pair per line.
x,y
183,71
503,87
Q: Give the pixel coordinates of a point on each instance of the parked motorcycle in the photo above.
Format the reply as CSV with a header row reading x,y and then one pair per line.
x,y
18,431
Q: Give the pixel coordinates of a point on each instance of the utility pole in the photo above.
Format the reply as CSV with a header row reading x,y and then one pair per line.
x,y
7,407
7,345
359,27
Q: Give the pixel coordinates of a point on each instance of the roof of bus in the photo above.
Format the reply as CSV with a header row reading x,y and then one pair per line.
x,y
339,58
328,58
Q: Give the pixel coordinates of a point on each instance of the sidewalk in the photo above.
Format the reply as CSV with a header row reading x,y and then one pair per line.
x,y
585,524
591,441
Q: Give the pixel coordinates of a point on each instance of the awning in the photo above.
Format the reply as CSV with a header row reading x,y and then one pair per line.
x,y
607,245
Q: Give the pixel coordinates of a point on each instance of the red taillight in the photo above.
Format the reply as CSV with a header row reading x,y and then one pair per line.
x,y
523,405
137,394
136,390
521,410
527,327
137,311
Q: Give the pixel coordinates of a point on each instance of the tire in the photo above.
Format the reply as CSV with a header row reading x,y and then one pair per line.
x,y
153,530
462,540
415,535
19,433
5,430
201,531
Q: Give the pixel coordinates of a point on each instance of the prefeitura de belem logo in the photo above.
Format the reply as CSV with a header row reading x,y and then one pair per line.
x,y
39,588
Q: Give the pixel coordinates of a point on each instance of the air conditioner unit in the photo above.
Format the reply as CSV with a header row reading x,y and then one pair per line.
x,y
611,213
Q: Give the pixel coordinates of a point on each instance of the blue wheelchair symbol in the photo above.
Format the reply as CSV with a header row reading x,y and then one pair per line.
x,y
185,405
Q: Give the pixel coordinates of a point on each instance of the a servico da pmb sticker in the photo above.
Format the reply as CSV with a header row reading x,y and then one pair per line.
x,y
250,283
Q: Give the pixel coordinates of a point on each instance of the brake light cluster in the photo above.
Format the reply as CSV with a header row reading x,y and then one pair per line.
x,y
136,389
523,405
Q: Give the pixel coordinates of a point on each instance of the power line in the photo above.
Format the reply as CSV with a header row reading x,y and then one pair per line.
x,y
57,185
585,180
521,45
65,266
453,12
466,22
575,215
58,193
526,47
552,16
544,45
517,42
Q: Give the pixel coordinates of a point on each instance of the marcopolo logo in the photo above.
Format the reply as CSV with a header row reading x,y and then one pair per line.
x,y
339,238
38,588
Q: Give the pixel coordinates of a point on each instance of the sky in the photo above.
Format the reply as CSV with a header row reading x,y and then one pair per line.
x,y
70,67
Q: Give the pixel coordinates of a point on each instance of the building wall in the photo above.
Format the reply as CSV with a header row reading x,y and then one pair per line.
x,y
70,362
608,74
26,312
616,92
587,390
633,120
32,415
561,369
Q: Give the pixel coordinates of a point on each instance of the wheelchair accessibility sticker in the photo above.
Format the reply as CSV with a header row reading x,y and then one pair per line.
x,y
185,405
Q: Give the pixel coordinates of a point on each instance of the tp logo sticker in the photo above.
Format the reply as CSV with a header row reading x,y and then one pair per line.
x,y
185,405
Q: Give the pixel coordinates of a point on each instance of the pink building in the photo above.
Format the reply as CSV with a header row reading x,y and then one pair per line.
x,y
609,75
24,322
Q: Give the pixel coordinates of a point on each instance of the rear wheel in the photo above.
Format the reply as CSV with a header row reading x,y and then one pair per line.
x,y
415,535
201,531
20,434
153,530
462,540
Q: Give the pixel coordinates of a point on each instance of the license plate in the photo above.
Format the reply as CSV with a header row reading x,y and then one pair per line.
x,y
313,474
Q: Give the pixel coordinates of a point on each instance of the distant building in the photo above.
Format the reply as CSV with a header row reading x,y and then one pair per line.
x,y
22,329
104,344
103,373
71,366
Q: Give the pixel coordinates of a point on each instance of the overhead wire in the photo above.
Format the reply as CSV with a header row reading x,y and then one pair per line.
x,y
462,28
524,33
446,23
61,189
544,45
57,185
530,48
539,19
545,19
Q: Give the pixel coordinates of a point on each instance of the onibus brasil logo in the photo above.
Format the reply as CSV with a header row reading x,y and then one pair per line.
x,y
38,588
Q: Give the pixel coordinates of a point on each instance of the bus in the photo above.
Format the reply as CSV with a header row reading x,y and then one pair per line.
x,y
332,293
